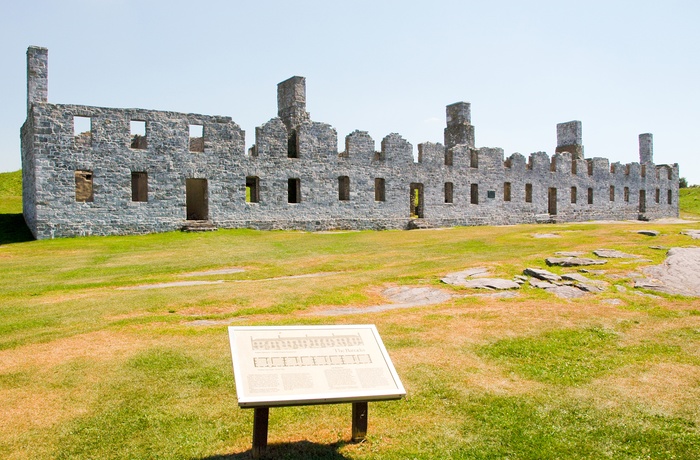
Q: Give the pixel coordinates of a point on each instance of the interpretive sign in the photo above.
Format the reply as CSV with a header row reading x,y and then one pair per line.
x,y
296,365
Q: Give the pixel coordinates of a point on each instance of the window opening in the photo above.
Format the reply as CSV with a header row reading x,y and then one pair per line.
x,y
474,159
293,145
474,193
196,138
294,191
590,168
343,188
657,198
612,193
82,130
506,191
379,189
448,157
573,195
528,193
626,193
84,186
449,187
590,195
139,186
642,201
138,134
252,189
670,197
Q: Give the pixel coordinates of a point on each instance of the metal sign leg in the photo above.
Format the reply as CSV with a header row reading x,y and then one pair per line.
x,y
359,421
260,422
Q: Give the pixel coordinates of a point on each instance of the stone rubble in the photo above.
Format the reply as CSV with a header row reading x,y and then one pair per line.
x,y
648,232
613,254
573,261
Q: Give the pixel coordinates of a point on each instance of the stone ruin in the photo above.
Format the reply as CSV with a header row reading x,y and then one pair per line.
x,y
104,171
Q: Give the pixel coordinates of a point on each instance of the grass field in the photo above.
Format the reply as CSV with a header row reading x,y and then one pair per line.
x,y
91,370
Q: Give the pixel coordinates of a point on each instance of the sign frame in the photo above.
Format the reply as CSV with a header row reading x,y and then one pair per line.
x,y
266,358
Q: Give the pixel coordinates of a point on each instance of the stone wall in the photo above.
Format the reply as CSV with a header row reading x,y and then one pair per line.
x,y
293,151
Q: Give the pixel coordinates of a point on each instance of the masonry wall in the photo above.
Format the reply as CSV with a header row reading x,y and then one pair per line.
x,y
337,190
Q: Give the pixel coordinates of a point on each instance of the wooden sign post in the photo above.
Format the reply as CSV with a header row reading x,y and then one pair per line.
x,y
303,365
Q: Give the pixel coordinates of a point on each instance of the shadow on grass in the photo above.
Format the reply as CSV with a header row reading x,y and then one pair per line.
x,y
292,451
13,229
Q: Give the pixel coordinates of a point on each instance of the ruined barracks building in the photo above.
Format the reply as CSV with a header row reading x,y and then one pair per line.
x,y
102,171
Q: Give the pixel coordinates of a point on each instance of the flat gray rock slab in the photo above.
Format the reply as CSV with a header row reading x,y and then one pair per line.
x,y
572,261
694,234
474,272
567,292
590,287
490,283
648,232
613,254
568,253
459,278
401,297
540,284
679,274
575,277
592,272
541,274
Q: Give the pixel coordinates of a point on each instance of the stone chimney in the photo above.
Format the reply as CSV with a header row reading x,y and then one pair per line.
x,y
291,102
37,75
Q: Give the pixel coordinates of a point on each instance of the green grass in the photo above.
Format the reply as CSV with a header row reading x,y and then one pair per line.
x,y
90,370
690,201
571,357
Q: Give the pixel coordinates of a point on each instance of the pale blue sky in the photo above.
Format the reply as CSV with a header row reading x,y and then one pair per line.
x,y
621,67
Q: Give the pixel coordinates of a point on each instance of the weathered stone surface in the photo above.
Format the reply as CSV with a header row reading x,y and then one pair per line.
x,y
575,277
659,248
541,274
572,261
568,253
400,297
679,274
296,173
567,292
694,234
490,283
590,287
592,272
475,272
541,284
613,254
648,232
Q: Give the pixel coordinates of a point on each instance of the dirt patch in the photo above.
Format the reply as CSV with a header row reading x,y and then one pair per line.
x,y
222,271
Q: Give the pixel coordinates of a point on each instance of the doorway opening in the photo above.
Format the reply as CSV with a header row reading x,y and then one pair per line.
x,y
197,202
416,200
552,206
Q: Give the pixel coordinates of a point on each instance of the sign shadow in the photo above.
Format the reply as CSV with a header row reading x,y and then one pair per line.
x,y
291,450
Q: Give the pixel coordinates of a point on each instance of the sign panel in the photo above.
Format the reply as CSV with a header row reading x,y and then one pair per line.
x,y
294,365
